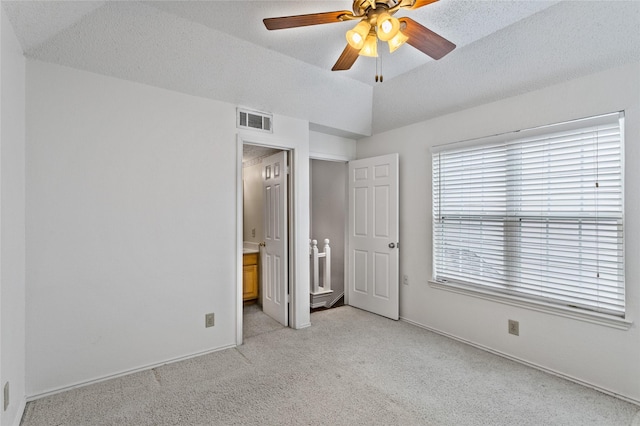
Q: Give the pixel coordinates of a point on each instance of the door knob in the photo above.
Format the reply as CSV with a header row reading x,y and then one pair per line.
x,y
392,245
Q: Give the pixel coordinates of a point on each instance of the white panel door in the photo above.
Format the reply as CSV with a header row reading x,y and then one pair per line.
x,y
274,253
373,235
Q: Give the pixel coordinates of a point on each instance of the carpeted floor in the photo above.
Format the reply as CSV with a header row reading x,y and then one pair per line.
x,y
349,368
255,322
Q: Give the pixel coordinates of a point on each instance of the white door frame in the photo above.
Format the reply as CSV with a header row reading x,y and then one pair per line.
x,y
299,304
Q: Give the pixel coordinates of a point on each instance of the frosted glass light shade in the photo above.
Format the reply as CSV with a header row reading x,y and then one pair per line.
x,y
370,47
397,41
357,36
388,26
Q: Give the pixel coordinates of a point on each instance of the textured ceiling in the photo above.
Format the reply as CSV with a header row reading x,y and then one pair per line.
x,y
462,22
254,152
566,41
221,50
36,21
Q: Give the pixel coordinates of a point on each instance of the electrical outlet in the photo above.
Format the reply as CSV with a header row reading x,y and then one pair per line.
x,y
253,232
6,396
514,327
209,320
405,279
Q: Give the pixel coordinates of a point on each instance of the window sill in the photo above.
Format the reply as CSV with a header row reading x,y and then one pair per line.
x,y
590,317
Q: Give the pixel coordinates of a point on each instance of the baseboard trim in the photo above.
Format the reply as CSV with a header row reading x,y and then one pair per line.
x,y
327,303
20,412
335,299
76,385
315,305
305,325
522,361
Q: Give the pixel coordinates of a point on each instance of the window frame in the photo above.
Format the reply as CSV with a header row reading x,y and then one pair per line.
x,y
485,291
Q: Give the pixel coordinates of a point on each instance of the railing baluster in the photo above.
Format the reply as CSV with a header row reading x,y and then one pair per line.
x,y
327,266
316,288
316,271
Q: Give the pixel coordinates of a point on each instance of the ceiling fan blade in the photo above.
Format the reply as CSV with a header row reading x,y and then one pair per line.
x,y
346,59
305,20
425,40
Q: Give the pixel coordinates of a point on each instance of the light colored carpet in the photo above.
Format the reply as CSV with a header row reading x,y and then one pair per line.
x,y
257,322
349,368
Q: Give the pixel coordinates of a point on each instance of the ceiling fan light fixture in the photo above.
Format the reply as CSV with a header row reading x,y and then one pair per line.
x,y
374,21
357,36
398,40
387,26
370,47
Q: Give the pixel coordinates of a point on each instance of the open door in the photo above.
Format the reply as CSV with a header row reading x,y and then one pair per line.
x,y
274,252
373,235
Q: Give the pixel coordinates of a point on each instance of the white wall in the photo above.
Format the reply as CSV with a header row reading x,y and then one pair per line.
x,y
253,199
202,61
12,223
599,355
323,146
130,226
132,223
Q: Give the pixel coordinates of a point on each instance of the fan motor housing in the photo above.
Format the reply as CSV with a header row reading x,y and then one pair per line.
x,y
361,7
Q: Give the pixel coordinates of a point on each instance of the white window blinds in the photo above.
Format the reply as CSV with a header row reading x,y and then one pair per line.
x,y
536,213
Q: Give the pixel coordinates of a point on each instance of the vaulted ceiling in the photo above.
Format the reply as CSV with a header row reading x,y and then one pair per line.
x,y
221,50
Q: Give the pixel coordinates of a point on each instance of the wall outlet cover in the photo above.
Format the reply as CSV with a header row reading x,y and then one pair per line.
x,y
209,320
514,327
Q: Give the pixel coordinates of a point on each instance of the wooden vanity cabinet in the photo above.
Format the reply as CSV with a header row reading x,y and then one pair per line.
x,y
250,269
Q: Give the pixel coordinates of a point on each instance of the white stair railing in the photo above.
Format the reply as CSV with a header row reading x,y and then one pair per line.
x,y
316,288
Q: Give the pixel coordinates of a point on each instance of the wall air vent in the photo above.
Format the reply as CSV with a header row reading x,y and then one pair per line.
x,y
254,120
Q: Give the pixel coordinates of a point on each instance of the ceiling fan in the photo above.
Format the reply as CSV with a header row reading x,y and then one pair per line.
x,y
376,23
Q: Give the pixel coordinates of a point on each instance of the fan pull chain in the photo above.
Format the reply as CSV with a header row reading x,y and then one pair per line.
x,y
379,78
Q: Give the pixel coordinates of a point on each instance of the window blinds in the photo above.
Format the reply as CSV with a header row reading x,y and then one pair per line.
x,y
537,214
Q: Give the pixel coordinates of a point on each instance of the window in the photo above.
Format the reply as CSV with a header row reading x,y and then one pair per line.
x,y
535,214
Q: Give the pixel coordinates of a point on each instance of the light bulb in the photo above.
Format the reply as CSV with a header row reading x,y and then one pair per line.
x,y
356,36
388,26
397,41
370,47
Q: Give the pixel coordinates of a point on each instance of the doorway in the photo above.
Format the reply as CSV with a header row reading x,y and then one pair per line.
x,y
265,230
298,299
328,221
372,230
